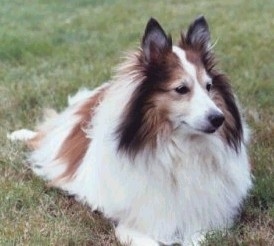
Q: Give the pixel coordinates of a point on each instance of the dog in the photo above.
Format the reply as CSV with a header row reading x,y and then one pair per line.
x,y
161,149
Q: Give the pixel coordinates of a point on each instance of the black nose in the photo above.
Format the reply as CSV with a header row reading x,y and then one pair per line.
x,y
216,119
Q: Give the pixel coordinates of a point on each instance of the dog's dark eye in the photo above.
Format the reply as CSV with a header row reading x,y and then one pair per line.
x,y
182,89
208,86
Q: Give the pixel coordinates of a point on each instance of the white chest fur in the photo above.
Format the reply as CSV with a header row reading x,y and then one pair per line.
x,y
188,187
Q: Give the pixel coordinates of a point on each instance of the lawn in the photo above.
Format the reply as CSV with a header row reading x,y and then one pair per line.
x,y
49,49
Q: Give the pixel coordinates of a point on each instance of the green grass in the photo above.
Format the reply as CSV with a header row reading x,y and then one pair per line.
x,y
49,49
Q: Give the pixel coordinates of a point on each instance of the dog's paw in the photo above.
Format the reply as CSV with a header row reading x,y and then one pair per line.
x,y
196,239
133,238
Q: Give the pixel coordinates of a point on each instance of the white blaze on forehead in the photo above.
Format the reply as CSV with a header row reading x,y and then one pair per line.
x,y
188,67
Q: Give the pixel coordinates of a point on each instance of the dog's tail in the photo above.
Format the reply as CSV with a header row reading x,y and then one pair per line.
x,y
22,135
33,138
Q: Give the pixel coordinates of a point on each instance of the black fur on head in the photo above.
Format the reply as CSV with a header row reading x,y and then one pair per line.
x,y
232,129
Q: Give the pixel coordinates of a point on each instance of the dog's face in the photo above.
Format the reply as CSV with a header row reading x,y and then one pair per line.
x,y
182,86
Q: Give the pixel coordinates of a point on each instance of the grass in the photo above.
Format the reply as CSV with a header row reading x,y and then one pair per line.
x,y
49,49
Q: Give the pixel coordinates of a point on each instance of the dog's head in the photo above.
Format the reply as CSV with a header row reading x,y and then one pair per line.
x,y
180,89
181,84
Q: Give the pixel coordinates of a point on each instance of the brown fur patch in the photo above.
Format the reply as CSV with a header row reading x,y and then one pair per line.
x,y
76,144
197,54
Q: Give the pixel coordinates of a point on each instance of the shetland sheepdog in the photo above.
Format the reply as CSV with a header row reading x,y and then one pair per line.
x,y
160,149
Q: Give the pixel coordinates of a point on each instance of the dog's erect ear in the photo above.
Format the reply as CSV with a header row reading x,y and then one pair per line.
x,y
155,42
198,34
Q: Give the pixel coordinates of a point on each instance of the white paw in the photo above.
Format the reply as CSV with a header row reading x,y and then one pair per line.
x,y
23,135
130,237
196,239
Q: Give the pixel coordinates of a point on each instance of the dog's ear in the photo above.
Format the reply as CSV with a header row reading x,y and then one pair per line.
x,y
198,35
155,42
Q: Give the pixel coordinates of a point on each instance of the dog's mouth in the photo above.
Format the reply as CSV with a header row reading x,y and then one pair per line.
x,y
207,130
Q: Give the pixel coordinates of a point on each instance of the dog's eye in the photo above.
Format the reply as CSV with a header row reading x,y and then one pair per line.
x,y
182,89
208,86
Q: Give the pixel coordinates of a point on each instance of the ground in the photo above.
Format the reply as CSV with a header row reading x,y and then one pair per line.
x,y
49,49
